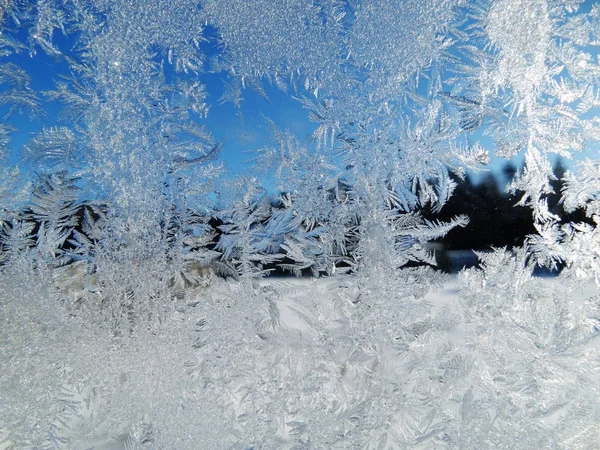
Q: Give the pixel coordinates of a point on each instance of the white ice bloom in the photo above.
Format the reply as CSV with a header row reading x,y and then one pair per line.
x,y
135,311
521,31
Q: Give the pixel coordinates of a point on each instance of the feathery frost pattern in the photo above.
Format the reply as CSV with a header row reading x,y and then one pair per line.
x,y
137,306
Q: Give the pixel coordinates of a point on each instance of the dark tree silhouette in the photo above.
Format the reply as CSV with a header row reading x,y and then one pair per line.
x,y
495,218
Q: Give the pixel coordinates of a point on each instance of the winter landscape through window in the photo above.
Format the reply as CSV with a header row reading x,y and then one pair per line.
x,y
164,163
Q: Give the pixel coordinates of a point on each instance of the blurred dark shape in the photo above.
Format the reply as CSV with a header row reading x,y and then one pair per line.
x,y
496,221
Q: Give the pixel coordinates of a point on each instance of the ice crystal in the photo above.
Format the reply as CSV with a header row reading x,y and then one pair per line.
x,y
134,307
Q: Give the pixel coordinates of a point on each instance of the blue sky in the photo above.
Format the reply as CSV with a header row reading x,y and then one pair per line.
x,y
239,130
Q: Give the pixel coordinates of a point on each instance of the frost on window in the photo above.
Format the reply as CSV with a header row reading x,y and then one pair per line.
x,y
146,293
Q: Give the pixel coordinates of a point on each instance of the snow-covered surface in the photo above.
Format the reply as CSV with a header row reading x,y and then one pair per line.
x,y
292,363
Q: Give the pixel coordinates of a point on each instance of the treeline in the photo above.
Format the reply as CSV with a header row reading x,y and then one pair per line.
x,y
263,236
496,219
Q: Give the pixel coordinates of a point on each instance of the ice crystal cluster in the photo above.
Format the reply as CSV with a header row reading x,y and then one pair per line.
x,y
135,310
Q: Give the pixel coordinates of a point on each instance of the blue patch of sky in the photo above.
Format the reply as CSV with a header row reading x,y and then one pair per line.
x,y
240,129
243,130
